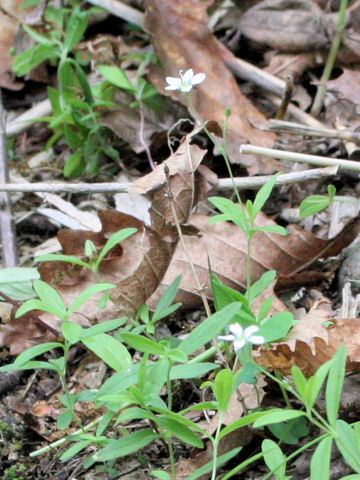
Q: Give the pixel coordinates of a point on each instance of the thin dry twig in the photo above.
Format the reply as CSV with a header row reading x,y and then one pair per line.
x,y
7,228
300,157
242,183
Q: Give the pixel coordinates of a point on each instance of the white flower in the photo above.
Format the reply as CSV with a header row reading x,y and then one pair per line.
x,y
186,81
240,336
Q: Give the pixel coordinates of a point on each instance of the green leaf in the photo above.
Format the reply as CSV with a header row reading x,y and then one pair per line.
x,y
242,422
76,28
313,204
51,257
117,77
346,442
17,284
72,331
35,304
335,384
209,328
87,294
274,458
75,165
160,474
103,327
177,356
143,344
277,327
125,446
291,431
35,351
74,450
114,240
73,139
223,388
263,194
299,380
112,352
191,370
354,476
135,413
315,384
166,300
231,211
27,366
65,419
320,461
277,416
39,37
50,297
262,284
26,61
180,431
272,229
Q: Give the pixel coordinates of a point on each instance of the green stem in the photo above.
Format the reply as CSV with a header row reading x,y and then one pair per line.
x,y
321,91
215,443
248,267
219,146
172,459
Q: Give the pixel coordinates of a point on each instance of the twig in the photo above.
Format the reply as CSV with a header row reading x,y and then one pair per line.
x,y
285,100
298,129
27,119
242,183
60,442
7,228
121,10
300,157
321,90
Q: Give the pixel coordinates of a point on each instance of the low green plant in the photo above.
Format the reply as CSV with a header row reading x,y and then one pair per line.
x,y
316,203
75,104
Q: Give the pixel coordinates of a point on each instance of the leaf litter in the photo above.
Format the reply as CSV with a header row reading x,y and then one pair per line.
x,y
146,263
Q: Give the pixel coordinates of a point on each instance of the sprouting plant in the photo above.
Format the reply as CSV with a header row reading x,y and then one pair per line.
x,y
75,105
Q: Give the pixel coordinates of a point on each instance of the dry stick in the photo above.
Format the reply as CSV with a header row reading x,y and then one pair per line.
x,y
321,90
7,228
121,10
300,157
242,183
298,129
286,97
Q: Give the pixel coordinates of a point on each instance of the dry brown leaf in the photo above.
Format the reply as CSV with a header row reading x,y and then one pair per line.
x,y
225,245
347,85
182,40
311,343
286,25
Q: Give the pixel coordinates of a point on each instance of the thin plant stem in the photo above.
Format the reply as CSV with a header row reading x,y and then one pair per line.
x,y
141,136
321,90
248,266
172,459
215,443
219,146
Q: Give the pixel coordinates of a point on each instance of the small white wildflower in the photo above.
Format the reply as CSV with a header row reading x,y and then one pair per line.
x,y
186,81
239,337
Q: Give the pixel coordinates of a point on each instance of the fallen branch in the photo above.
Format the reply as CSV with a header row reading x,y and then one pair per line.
x,y
243,183
300,157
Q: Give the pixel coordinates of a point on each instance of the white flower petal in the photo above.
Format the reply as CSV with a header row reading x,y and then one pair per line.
x,y
186,87
173,81
172,87
198,78
257,339
236,329
227,338
238,344
250,331
187,76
